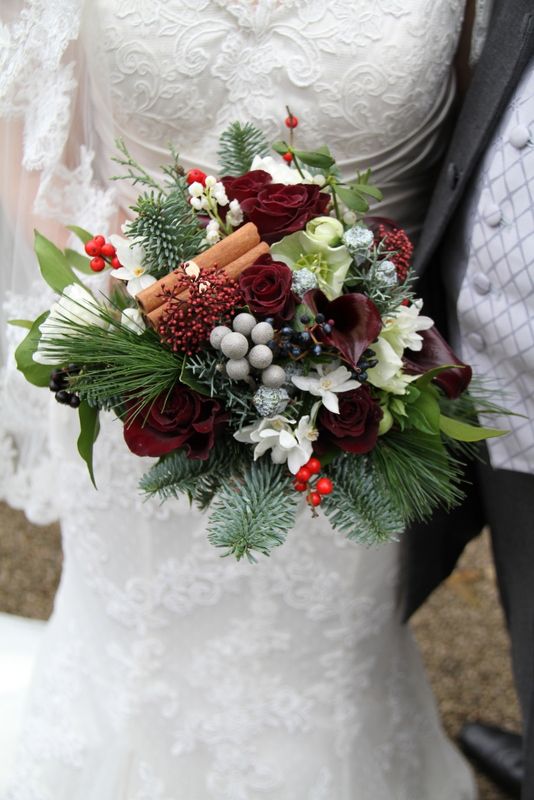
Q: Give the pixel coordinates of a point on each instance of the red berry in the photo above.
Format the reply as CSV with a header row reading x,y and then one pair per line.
x,y
92,248
115,263
303,475
324,486
314,499
97,264
99,240
108,251
292,121
196,176
300,487
288,157
313,465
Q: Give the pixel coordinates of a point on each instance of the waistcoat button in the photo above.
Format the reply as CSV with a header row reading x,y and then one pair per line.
x,y
482,283
519,136
476,341
492,214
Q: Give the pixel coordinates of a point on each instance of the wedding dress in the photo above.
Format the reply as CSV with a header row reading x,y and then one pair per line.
x,y
168,672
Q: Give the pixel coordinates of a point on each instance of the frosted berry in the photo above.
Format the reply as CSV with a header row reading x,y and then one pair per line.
x,y
314,499
303,475
97,264
108,251
324,486
196,176
288,157
291,121
92,248
313,465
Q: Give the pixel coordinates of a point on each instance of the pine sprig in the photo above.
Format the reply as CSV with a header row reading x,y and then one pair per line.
x,y
238,146
253,513
359,506
367,278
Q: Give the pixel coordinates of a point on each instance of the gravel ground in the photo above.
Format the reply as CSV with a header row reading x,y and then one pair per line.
x,y
460,630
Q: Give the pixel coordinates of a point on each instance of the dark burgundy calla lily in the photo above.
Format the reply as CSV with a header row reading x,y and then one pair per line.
x,y
435,353
356,320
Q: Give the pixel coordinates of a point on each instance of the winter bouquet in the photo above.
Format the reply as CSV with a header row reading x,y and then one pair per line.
x,y
260,338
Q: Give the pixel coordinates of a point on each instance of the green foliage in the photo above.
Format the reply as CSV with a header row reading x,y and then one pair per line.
x,y
360,505
416,472
366,278
253,513
89,429
54,265
38,374
237,147
168,230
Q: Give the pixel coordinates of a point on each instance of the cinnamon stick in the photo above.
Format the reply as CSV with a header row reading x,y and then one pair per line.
x,y
233,270
224,252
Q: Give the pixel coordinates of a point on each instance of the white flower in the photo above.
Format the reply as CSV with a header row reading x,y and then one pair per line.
x,y
132,270
212,232
219,194
279,171
286,444
327,384
196,189
76,305
400,329
349,218
132,319
388,373
210,181
235,215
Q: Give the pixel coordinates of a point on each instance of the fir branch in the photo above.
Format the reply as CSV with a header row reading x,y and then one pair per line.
x,y
254,513
135,173
238,146
366,278
168,230
359,506
416,473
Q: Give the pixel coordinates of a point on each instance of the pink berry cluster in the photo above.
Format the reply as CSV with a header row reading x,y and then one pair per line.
x,y
308,480
101,253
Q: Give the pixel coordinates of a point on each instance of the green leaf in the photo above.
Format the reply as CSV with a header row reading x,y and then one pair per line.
x,y
55,268
352,200
89,429
38,374
79,261
280,147
363,188
426,379
83,235
424,413
315,158
20,323
464,432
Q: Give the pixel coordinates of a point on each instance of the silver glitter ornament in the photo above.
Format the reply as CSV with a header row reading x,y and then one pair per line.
x,y
234,345
358,240
386,273
303,281
269,402
244,323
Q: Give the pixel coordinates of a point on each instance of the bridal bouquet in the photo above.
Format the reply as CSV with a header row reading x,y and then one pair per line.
x,y
261,339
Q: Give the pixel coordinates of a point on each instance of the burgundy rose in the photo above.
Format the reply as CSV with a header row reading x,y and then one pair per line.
x,y
182,418
437,353
266,287
278,210
356,319
355,428
247,186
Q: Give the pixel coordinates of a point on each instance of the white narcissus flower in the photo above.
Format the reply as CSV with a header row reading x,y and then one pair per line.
x,y
132,319
76,305
327,383
280,172
132,270
286,443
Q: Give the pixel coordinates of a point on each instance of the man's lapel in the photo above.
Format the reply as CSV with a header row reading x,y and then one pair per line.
x,y
509,47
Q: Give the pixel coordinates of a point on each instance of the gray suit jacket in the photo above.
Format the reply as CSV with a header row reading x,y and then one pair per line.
x,y
431,550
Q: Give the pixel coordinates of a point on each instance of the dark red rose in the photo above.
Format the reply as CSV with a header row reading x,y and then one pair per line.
x,y
355,428
247,186
437,353
356,319
278,210
182,418
266,287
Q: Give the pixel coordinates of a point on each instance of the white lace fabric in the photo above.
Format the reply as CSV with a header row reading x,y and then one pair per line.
x,y
167,671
